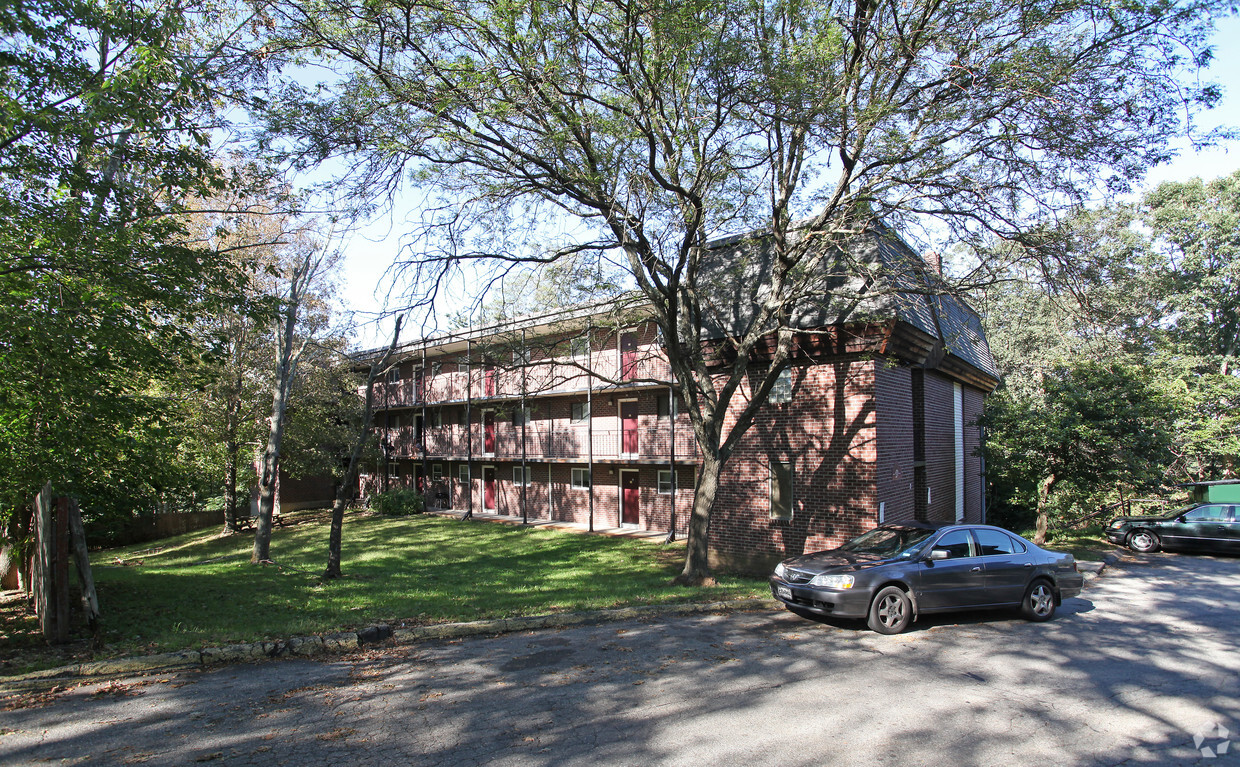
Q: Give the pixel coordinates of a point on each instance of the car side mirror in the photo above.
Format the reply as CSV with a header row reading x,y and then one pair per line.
x,y
1181,518
937,554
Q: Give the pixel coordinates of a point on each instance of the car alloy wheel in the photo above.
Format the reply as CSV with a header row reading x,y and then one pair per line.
x,y
890,612
1039,602
1143,541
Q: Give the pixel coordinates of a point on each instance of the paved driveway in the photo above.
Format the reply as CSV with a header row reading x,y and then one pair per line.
x,y
1127,673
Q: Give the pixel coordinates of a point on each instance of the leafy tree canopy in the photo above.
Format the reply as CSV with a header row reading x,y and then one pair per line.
x,y
1150,285
107,111
632,132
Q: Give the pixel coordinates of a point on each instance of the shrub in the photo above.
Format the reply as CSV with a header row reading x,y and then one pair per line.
x,y
398,503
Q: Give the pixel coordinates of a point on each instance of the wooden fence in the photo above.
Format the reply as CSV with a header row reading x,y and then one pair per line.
x,y
154,527
57,536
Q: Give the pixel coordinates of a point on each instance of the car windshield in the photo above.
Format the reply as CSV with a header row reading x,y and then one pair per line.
x,y
1178,512
888,541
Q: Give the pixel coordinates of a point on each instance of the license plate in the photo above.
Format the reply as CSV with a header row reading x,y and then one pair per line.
x,y
783,592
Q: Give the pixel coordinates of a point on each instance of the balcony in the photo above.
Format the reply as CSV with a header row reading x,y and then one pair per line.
x,y
540,378
543,442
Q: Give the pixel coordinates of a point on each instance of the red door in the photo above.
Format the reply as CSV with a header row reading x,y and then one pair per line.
x,y
630,492
488,488
628,356
628,427
488,431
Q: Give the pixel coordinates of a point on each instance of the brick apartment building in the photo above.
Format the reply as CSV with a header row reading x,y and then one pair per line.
x,y
569,416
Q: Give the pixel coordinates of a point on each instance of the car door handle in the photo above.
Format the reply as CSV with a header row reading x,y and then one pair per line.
x,y
977,569
1027,564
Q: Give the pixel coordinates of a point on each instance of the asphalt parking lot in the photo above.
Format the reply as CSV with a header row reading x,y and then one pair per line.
x,y
1140,669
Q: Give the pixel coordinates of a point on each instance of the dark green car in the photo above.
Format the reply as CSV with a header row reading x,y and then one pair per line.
x,y
1206,527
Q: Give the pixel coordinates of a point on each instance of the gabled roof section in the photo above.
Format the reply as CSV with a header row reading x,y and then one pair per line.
x,y
878,279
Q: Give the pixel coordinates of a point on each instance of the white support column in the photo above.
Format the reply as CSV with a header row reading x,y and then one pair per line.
x,y
958,437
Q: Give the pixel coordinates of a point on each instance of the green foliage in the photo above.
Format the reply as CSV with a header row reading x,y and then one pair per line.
x,y
107,112
1092,427
1196,227
1153,283
1206,429
325,414
399,502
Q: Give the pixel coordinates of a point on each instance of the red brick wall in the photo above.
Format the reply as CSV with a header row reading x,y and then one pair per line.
x,y
894,404
557,500
940,448
827,432
305,492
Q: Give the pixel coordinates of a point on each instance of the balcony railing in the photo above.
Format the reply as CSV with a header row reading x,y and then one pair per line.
x,y
538,378
543,442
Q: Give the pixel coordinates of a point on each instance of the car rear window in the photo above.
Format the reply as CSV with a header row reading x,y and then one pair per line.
x,y
994,543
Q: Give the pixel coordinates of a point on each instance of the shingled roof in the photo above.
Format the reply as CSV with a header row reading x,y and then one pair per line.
x,y
878,279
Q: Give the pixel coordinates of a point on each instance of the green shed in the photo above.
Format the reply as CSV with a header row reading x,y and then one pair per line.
x,y
1221,491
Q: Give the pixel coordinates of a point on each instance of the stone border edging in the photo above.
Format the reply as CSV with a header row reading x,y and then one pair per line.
x,y
344,642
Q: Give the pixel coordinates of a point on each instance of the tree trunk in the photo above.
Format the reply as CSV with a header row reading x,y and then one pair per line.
x,y
266,500
232,450
345,491
9,560
1044,492
230,486
14,558
697,543
286,368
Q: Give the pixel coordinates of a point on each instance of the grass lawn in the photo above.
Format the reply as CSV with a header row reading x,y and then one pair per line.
x,y
200,590
1087,544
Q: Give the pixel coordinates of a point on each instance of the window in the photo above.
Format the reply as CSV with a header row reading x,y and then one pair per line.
x,y
781,490
668,406
437,472
436,368
955,543
394,375
781,392
393,470
581,412
581,478
521,356
666,483
578,346
521,416
1206,514
994,543
520,478
462,365
462,474
434,416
